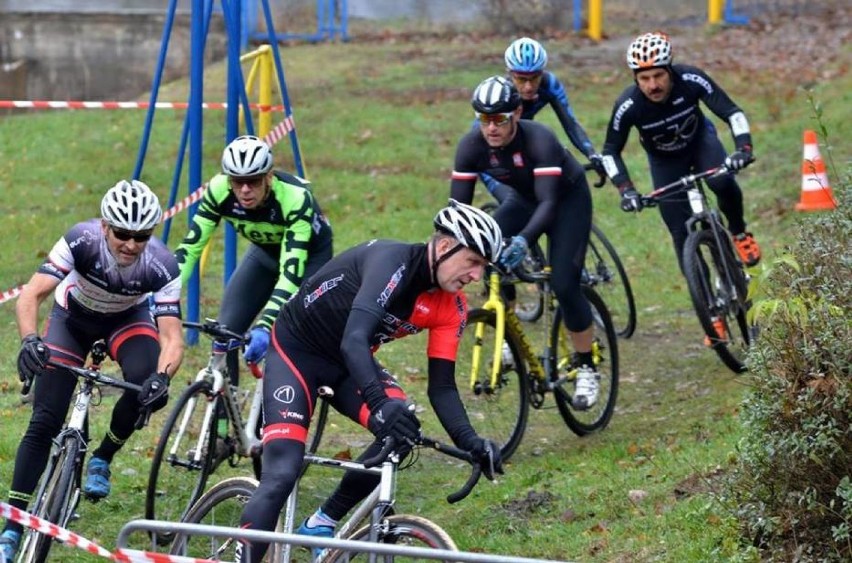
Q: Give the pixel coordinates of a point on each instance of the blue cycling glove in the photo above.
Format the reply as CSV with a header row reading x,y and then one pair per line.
x,y
514,252
256,349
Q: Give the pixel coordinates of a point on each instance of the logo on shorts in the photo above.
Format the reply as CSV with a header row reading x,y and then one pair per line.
x,y
285,394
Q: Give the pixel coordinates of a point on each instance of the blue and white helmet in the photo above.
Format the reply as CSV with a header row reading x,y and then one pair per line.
x,y
525,55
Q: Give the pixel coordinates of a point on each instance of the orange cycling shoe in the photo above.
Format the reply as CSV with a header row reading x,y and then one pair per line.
x,y
747,248
719,329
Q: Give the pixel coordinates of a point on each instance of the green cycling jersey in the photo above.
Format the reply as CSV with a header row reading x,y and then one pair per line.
x,y
281,226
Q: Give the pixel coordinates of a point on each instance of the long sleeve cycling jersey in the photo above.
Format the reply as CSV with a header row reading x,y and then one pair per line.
x,y
551,92
369,295
669,128
282,226
534,163
92,278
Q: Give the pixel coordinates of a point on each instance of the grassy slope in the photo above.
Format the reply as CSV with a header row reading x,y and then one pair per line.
x,y
377,124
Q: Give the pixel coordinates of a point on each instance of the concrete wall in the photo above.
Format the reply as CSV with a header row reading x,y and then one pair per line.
x,y
93,56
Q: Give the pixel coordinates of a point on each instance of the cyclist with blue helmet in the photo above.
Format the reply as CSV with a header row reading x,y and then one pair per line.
x,y
526,60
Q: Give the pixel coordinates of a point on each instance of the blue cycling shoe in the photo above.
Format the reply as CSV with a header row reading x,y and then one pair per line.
x,y
317,532
10,540
97,479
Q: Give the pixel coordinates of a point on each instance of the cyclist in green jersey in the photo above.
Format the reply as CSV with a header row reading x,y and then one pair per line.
x,y
290,238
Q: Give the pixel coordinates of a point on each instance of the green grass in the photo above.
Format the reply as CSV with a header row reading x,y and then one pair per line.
x,y
377,125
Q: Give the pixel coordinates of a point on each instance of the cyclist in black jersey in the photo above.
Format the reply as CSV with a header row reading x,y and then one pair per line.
x,y
663,105
326,335
526,60
554,200
278,214
102,273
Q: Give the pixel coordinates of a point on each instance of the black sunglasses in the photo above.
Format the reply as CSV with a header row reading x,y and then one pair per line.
x,y
125,236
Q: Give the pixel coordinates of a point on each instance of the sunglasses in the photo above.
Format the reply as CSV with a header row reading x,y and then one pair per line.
x,y
253,182
125,236
498,119
521,77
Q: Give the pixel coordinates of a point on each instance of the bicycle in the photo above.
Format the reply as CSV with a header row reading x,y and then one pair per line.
x,y
373,520
498,398
190,448
717,280
59,490
603,270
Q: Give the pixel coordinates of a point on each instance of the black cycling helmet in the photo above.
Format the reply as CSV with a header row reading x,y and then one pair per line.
x,y
495,94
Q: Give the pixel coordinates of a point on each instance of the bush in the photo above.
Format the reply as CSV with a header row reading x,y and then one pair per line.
x,y
791,489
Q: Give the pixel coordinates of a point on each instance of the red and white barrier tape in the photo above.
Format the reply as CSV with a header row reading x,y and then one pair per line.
x,y
59,104
136,556
276,134
43,526
10,294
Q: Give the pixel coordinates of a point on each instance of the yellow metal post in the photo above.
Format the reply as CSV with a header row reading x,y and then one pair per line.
x,y
714,11
596,19
264,119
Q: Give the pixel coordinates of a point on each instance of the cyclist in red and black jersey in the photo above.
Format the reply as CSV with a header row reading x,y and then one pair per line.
x,y
326,336
554,199
663,105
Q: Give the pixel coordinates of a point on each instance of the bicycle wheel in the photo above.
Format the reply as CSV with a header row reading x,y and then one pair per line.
x,y
222,505
719,290
500,411
54,502
606,274
178,475
583,422
399,529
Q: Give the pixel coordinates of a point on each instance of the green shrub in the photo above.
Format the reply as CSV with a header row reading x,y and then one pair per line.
x,y
791,489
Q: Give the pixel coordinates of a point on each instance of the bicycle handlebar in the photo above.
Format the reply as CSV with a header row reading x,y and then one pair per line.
x,y
389,446
602,178
100,378
218,331
652,199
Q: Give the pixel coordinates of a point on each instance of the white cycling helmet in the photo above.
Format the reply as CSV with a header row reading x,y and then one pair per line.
x,y
472,227
650,50
131,206
525,55
246,156
495,94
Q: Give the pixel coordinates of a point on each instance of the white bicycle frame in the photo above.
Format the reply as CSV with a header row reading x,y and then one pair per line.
x,y
246,441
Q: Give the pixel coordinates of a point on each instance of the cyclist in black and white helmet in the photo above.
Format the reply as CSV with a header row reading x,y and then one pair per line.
x,y
289,238
551,196
102,274
364,298
526,61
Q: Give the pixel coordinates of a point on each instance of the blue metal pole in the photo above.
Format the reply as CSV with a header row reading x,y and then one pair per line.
x,y
233,11
578,15
155,88
196,97
282,86
344,19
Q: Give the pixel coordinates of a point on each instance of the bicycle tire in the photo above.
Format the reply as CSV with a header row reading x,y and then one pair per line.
x,y
596,418
499,414
55,502
174,484
712,296
400,529
221,505
603,262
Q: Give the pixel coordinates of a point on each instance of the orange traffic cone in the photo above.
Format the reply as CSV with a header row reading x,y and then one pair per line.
x,y
816,193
